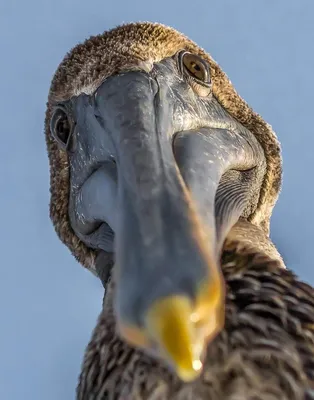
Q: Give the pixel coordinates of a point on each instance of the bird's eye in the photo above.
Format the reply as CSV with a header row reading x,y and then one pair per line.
x,y
61,127
196,67
197,72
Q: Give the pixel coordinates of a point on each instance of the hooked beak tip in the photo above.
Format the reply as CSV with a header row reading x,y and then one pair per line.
x,y
181,341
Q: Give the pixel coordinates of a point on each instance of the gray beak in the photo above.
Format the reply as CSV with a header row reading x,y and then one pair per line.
x,y
159,176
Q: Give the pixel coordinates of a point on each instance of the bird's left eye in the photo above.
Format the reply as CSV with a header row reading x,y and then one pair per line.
x,y
196,67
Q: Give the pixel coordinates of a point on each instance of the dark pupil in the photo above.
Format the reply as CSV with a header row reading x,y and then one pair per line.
x,y
196,67
63,128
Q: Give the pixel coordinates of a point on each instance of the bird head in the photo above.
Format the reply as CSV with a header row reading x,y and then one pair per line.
x,y
154,157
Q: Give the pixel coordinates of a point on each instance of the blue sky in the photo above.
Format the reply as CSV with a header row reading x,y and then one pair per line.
x,y
48,303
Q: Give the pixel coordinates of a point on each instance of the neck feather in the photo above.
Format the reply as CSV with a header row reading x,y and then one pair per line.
x,y
247,239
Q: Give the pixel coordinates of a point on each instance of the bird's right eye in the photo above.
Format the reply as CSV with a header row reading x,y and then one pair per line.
x,y
62,127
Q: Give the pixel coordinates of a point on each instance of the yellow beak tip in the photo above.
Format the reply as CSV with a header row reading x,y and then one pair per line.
x,y
189,374
169,321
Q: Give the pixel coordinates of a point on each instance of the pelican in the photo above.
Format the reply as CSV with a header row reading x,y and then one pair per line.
x,y
163,181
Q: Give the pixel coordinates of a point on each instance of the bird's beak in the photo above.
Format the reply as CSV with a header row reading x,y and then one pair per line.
x,y
182,332
160,197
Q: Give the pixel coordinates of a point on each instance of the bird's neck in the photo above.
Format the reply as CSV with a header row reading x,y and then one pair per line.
x,y
246,239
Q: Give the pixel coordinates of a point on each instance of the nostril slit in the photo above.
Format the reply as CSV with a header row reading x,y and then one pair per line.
x,y
99,119
154,85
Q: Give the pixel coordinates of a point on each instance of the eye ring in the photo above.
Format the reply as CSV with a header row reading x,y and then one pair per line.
x,y
197,71
62,127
